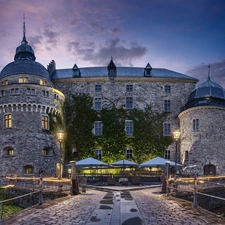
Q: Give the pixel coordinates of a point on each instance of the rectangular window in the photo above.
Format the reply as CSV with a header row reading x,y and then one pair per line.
x,y
129,88
30,91
129,127
167,106
98,103
45,122
167,154
196,124
8,120
43,82
2,92
23,79
98,153
98,128
98,88
14,91
129,153
129,102
10,152
166,129
167,89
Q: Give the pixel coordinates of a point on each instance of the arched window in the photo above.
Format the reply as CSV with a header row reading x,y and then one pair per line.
x,y
47,151
28,169
8,151
209,170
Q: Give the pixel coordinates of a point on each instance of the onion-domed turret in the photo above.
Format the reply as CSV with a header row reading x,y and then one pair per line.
x,y
207,93
24,62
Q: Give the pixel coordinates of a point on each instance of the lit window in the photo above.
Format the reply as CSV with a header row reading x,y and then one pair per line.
x,y
23,79
8,151
196,124
98,88
167,107
98,154
29,169
98,103
98,128
47,151
129,153
129,102
129,127
167,154
8,120
5,82
167,89
43,82
45,122
129,88
166,129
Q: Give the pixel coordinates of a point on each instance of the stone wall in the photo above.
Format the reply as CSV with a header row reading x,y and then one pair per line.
x,y
205,146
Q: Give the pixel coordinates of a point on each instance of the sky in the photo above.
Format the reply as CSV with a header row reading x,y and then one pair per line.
x,y
179,35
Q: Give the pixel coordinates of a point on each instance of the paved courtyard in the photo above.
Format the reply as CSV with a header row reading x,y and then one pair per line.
x,y
114,207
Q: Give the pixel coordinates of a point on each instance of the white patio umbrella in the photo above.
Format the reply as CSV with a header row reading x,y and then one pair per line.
x,y
124,164
158,162
90,163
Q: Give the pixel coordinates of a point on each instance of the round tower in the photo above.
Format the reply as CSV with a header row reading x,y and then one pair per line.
x,y
27,96
202,129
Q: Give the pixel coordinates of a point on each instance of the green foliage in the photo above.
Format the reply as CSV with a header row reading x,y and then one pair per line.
x,y
9,208
80,117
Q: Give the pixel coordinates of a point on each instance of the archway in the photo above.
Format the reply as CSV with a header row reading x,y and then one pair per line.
x,y
209,170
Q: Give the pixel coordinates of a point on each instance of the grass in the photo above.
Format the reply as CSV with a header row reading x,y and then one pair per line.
x,y
8,208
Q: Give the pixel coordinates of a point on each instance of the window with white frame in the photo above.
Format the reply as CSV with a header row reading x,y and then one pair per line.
x,y
167,154
45,122
8,120
98,128
129,88
167,88
129,153
196,124
98,88
129,102
167,106
129,127
98,153
98,103
166,129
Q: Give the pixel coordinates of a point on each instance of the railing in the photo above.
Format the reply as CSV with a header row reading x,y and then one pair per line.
x,y
35,186
195,185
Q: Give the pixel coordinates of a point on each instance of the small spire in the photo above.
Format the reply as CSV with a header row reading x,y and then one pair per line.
x,y
24,31
209,72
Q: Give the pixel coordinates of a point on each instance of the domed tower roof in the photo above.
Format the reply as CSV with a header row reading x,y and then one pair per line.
x,y
207,93
24,61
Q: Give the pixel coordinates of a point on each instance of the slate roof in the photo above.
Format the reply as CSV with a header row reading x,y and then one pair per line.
x,y
132,72
24,67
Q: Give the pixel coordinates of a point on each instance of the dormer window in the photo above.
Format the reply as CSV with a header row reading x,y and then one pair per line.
x,y
147,71
23,79
43,82
5,82
111,69
76,71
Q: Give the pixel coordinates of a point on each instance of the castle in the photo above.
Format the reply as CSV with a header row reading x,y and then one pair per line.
x,y
29,91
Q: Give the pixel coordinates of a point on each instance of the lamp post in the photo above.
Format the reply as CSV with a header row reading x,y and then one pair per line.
x,y
60,136
74,184
176,136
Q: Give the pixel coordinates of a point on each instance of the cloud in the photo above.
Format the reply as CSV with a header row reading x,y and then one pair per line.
x,y
51,36
123,53
217,72
97,27
115,30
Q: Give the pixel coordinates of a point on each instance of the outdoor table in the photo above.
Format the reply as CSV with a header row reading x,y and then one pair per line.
x,y
123,181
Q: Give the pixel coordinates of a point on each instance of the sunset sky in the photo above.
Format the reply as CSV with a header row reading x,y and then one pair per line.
x,y
180,35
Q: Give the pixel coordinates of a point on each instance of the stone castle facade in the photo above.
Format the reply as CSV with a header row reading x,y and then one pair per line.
x,y
29,91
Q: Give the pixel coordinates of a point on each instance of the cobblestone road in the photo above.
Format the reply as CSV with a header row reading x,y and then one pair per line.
x,y
134,207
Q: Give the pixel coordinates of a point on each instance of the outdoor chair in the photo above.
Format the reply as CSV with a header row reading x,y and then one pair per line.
x,y
111,181
136,180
